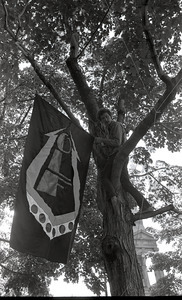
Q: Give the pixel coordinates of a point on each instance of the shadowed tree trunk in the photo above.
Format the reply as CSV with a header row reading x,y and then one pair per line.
x,y
119,251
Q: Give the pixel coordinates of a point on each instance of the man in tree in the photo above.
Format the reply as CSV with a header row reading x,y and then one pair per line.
x,y
107,144
111,136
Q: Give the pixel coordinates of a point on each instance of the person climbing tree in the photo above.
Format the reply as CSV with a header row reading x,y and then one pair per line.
x,y
107,144
111,135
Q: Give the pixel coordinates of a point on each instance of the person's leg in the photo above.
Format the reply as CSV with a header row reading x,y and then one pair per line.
x,y
106,179
108,186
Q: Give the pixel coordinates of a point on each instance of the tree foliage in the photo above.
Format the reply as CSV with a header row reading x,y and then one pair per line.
x,y
170,261
167,286
115,56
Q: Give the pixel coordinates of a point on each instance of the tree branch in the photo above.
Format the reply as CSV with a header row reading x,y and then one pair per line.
x,y
150,42
8,257
20,16
147,173
146,215
150,174
4,240
12,271
140,131
99,25
26,114
102,86
178,77
129,187
173,131
86,93
37,69
164,187
154,115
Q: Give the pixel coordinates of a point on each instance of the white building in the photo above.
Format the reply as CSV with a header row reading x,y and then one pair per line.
x,y
145,242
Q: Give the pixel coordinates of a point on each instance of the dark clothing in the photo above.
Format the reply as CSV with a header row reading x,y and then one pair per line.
x,y
106,177
114,135
106,153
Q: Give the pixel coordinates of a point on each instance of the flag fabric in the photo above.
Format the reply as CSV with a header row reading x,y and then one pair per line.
x,y
51,184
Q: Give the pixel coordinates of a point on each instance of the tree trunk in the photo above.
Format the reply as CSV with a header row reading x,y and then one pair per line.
x,y
118,247
118,243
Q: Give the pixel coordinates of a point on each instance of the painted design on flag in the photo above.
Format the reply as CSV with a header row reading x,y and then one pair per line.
x,y
51,184
60,149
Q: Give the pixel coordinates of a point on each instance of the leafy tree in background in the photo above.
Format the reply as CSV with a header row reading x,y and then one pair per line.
x,y
169,261
136,72
167,286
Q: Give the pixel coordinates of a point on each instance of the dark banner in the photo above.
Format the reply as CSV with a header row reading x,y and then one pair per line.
x,y
51,185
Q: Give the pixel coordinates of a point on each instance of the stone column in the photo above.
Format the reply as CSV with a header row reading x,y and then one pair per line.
x,y
158,274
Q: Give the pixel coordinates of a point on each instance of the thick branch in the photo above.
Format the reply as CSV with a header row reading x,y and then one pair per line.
x,y
151,45
86,93
146,215
154,115
140,131
128,186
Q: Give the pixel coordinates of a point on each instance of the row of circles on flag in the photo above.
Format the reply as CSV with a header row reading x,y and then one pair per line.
x,y
48,226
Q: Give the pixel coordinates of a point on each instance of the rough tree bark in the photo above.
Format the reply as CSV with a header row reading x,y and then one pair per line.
x,y
118,243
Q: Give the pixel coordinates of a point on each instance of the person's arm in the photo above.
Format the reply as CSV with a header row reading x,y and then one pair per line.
x,y
117,137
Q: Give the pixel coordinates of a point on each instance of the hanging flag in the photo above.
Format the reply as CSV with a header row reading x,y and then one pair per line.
x,y
51,185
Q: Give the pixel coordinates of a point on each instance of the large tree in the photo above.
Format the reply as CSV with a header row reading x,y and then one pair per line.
x,y
124,55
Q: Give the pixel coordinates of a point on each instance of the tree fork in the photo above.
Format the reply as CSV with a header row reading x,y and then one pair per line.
x,y
118,244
